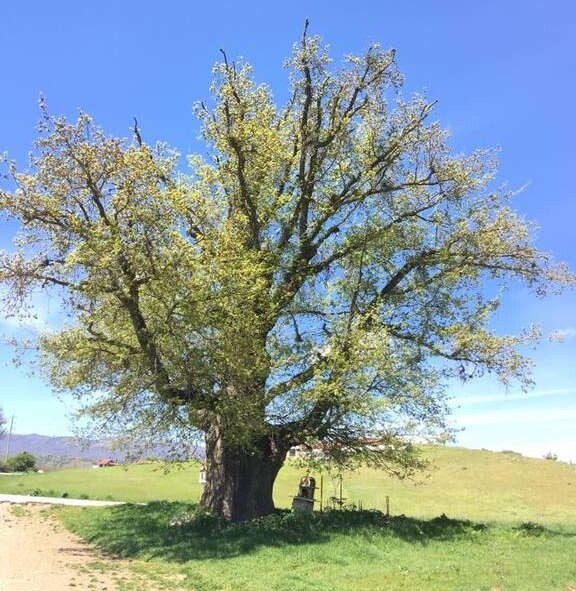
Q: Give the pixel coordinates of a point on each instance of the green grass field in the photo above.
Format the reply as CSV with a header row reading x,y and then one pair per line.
x,y
463,483
511,525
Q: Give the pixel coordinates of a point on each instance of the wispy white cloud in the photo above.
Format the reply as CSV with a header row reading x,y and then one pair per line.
x,y
563,448
41,315
516,417
478,399
563,334
32,323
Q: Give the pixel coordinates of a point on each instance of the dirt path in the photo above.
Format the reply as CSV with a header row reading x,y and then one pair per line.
x,y
38,554
56,501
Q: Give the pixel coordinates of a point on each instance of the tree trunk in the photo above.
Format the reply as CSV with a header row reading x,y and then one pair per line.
x,y
239,481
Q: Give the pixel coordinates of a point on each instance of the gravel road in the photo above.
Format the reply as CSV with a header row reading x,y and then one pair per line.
x,y
38,554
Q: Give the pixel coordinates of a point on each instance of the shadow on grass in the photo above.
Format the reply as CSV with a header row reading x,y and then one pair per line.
x,y
172,532
536,530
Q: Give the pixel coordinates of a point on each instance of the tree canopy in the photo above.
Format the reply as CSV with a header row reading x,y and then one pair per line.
x,y
21,462
315,279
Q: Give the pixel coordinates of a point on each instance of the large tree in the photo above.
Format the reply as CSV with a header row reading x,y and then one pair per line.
x,y
315,280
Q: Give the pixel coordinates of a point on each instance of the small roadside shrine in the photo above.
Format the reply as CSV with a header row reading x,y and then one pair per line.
x,y
304,500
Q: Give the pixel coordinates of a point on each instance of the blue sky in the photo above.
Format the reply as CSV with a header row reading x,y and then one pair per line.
x,y
503,73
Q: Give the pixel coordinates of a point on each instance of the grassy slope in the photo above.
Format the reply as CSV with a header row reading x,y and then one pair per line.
x,y
334,550
468,484
478,485
136,483
344,550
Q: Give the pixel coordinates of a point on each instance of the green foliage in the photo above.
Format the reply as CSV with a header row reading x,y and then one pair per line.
x,y
315,279
22,462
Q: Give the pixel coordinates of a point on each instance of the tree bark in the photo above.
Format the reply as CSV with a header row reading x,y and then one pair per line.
x,y
240,480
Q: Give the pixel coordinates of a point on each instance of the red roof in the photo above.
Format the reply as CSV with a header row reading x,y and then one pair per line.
x,y
106,462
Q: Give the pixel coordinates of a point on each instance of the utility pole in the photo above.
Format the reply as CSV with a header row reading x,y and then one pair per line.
x,y
8,439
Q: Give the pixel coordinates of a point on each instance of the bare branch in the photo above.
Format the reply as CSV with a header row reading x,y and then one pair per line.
x,y
137,132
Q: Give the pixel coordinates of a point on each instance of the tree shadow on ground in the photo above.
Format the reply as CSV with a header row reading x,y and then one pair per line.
x,y
532,529
173,532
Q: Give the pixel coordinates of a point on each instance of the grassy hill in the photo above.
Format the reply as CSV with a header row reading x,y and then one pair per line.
x,y
511,526
462,483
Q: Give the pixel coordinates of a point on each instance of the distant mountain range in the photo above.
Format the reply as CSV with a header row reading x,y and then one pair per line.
x,y
68,447
59,452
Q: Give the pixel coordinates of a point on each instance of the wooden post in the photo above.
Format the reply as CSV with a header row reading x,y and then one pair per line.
x,y
387,506
7,450
321,492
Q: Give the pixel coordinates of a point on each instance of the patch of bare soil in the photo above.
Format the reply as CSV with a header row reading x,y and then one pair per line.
x,y
38,554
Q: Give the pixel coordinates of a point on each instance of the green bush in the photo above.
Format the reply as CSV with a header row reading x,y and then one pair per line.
x,y
22,462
